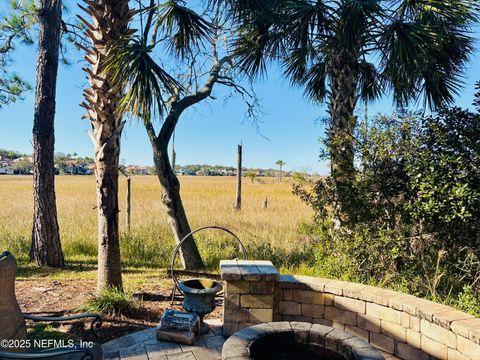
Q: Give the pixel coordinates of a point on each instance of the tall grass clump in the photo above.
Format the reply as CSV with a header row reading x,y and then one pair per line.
x,y
112,301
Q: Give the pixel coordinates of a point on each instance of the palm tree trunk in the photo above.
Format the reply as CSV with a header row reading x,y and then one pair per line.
x,y
172,201
110,23
46,249
109,262
342,106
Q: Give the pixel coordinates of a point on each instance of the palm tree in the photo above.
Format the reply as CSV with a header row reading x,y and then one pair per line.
x,y
340,51
280,164
110,20
46,249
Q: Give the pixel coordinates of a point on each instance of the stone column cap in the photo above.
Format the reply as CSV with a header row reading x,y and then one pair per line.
x,y
248,270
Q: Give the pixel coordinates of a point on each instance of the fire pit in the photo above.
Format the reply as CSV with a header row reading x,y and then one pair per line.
x,y
297,340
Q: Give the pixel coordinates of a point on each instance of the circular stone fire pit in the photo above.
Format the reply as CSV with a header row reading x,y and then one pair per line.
x,y
297,340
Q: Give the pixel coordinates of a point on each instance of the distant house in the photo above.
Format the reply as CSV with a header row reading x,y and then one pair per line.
x,y
6,166
6,170
137,170
227,172
77,167
183,172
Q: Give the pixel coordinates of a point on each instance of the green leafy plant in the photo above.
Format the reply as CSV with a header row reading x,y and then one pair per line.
x,y
469,301
413,217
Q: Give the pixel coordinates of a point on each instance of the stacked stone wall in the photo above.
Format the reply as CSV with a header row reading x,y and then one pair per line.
x,y
401,326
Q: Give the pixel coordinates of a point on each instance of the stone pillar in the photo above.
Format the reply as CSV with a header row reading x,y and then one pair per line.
x,y
249,293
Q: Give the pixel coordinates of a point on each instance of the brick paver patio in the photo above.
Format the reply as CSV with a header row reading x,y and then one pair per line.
x,y
143,345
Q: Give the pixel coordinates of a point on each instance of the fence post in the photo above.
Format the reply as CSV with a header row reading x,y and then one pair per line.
x,y
128,213
129,204
238,198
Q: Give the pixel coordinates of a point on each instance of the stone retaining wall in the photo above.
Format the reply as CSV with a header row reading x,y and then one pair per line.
x,y
398,324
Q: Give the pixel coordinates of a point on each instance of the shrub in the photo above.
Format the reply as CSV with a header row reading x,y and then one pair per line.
x,y
468,301
412,220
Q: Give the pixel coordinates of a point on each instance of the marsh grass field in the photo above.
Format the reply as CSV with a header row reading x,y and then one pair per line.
x,y
271,233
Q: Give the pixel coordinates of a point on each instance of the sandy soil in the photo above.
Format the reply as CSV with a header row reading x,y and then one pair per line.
x,y
60,298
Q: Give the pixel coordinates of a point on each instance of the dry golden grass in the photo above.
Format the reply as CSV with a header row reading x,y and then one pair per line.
x,y
208,201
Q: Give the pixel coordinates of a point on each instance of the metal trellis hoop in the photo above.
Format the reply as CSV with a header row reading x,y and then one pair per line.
x,y
177,249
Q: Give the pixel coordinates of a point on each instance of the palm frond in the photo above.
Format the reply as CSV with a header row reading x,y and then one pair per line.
x,y
255,45
439,87
186,29
144,83
315,81
302,19
295,65
246,11
458,11
355,19
426,48
370,82
403,52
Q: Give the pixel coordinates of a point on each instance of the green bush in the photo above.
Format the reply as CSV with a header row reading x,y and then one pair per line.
x,y
469,301
412,220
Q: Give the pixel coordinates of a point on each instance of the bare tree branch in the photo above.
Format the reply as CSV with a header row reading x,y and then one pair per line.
x,y
180,105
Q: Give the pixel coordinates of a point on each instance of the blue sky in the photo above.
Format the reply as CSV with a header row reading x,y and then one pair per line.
x,y
208,134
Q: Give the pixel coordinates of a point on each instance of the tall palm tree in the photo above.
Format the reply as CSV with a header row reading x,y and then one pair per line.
x,y
46,249
110,22
340,51
280,164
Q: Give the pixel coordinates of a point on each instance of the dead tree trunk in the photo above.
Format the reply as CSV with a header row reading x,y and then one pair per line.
x,y
238,201
177,217
172,201
46,249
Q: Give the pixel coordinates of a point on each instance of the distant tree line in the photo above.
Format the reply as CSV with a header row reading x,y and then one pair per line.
x,y
77,165
219,170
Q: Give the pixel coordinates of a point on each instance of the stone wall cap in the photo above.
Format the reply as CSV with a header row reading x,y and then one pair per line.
x,y
467,328
249,270
303,282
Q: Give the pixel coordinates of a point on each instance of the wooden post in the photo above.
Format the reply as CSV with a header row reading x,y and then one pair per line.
x,y
129,204
128,213
238,202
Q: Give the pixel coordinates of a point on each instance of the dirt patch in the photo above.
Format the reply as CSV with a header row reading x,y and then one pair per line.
x,y
61,298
